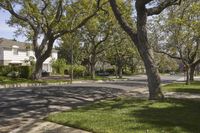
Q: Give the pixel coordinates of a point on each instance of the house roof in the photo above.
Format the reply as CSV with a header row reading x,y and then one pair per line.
x,y
9,44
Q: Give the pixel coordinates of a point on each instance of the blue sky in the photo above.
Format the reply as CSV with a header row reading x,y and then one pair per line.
x,y
8,32
5,30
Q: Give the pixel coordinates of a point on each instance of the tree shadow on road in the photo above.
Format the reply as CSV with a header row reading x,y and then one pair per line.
x,y
21,105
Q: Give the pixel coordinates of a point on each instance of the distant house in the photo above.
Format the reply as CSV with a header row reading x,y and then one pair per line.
x,y
17,53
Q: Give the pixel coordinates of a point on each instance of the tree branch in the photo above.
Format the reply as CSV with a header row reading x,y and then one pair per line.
x,y
103,40
196,62
168,54
10,9
83,22
158,9
196,50
121,21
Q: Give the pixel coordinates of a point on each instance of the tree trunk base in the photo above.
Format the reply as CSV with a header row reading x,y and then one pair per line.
x,y
157,96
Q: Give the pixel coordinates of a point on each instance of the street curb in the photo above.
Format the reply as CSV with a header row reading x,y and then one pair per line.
x,y
31,84
18,85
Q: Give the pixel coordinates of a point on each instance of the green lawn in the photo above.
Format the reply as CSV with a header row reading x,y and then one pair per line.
x,y
194,87
8,80
134,116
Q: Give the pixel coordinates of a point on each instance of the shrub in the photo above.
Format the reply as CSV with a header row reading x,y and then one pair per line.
x,y
78,70
127,71
16,71
13,74
59,66
25,71
4,70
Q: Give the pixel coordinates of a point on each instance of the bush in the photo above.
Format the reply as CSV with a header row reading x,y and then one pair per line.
x,y
13,74
78,70
59,66
4,70
127,72
16,71
25,71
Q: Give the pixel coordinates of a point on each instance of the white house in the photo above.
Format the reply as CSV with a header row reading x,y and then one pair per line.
x,y
17,53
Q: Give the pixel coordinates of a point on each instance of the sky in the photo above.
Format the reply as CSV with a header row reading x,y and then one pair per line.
x,y
5,30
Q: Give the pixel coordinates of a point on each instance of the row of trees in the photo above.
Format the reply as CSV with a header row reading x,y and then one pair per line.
x,y
177,35
100,40
48,20
99,44
174,33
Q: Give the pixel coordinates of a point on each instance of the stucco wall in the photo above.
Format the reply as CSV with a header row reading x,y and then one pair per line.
x,y
7,56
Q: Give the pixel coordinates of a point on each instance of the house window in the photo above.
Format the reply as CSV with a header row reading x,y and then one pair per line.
x,y
15,51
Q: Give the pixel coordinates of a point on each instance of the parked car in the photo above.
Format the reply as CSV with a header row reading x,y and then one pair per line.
x,y
45,73
103,74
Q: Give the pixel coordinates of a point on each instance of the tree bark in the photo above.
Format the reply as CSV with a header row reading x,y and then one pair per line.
x,y
37,73
192,70
140,40
120,71
40,58
93,71
146,53
187,75
116,71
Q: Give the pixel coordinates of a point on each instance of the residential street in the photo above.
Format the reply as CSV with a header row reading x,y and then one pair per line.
x,y
22,108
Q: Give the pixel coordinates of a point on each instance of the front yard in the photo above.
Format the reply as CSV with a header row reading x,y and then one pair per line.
x,y
194,87
128,115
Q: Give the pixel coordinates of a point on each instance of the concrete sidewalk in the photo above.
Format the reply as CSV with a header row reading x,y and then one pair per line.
x,y
46,127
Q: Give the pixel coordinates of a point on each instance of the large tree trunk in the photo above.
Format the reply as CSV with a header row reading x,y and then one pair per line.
x,y
192,70
120,71
146,53
37,73
144,48
116,71
92,71
40,55
187,75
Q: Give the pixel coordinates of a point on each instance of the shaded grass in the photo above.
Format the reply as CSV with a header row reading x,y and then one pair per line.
x,y
194,87
8,80
133,115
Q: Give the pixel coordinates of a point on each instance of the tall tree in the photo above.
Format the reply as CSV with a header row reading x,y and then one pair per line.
x,y
140,39
70,45
48,20
182,36
122,51
95,35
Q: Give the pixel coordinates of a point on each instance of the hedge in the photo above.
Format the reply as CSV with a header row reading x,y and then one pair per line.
x,y
24,71
78,70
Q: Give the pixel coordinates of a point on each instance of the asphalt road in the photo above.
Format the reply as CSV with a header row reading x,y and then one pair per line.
x,y
21,108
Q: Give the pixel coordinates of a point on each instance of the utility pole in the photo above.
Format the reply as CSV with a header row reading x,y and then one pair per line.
x,y
72,65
